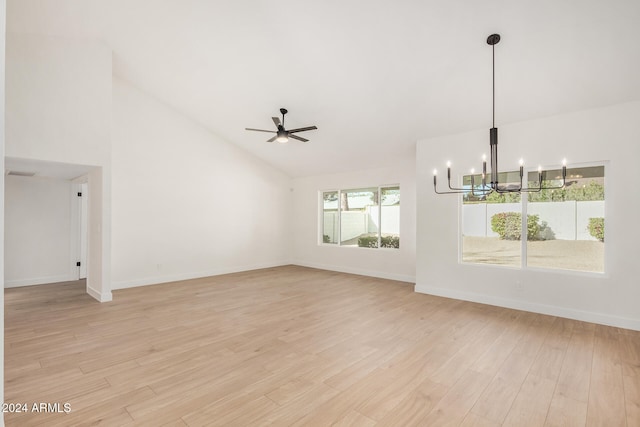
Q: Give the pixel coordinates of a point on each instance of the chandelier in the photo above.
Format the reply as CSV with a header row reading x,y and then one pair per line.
x,y
484,188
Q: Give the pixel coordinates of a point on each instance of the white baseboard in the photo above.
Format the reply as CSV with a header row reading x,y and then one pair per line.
x,y
569,313
100,296
39,280
156,280
361,272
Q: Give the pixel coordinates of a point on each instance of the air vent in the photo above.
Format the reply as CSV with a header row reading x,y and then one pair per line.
x,y
18,173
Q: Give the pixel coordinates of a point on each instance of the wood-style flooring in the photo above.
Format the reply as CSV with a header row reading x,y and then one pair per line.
x,y
305,347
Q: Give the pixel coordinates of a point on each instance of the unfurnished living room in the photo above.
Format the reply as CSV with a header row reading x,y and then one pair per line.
x,y
296,213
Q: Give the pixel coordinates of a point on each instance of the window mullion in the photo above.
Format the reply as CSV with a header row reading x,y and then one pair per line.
x,y
524,233
379,218
339,217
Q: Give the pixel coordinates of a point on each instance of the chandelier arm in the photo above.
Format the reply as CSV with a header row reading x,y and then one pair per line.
x,y
458,189
453,190
435,188
449,192
463,191
556,187
449,182
537,189
483,190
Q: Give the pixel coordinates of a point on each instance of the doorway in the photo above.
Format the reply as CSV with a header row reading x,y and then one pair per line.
x,y
80,246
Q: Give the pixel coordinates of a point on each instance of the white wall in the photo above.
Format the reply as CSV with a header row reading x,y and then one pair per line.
x,y
3,9
386,263
38,231
611,134
187,203
58,97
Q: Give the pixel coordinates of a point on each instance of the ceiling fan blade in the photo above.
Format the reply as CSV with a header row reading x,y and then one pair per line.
x,y
261,130
303,129
272,139
276,121
297,137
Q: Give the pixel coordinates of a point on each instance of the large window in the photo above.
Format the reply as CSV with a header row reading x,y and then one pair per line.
x,y
551,229
363,217
566,226
481,241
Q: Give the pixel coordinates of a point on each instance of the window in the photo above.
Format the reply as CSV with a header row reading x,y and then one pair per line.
x,y
562,228
363,217
482,220
566,226
358,217
330,217
390,217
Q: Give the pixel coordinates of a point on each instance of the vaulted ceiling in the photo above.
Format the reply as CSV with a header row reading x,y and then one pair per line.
x,y
374,76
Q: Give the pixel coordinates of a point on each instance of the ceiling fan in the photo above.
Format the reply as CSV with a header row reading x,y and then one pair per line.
x,y
282,135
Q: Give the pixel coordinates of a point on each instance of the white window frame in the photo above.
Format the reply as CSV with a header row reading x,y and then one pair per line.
x,y
338,243
524,202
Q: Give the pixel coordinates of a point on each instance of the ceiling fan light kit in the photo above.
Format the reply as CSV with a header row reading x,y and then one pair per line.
x,y
282,135
494,186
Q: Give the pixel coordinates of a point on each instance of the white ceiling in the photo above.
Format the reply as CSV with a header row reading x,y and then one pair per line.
x,y
374,76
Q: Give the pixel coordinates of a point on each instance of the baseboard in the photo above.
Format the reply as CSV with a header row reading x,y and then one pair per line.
x,y
39,280
101,297
569,313
361,272
156,280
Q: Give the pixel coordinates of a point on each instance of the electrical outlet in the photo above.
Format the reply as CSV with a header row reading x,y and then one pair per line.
x,y
519,286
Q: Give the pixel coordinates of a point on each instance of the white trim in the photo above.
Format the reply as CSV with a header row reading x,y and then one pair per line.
x,y
358,271
74,227
156,280
101,297
39,280
585,316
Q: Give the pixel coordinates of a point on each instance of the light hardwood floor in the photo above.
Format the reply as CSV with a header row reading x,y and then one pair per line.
x,y
299,346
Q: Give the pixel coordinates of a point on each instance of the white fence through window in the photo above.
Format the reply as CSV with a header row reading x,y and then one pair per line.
x,y
358,223
568,220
